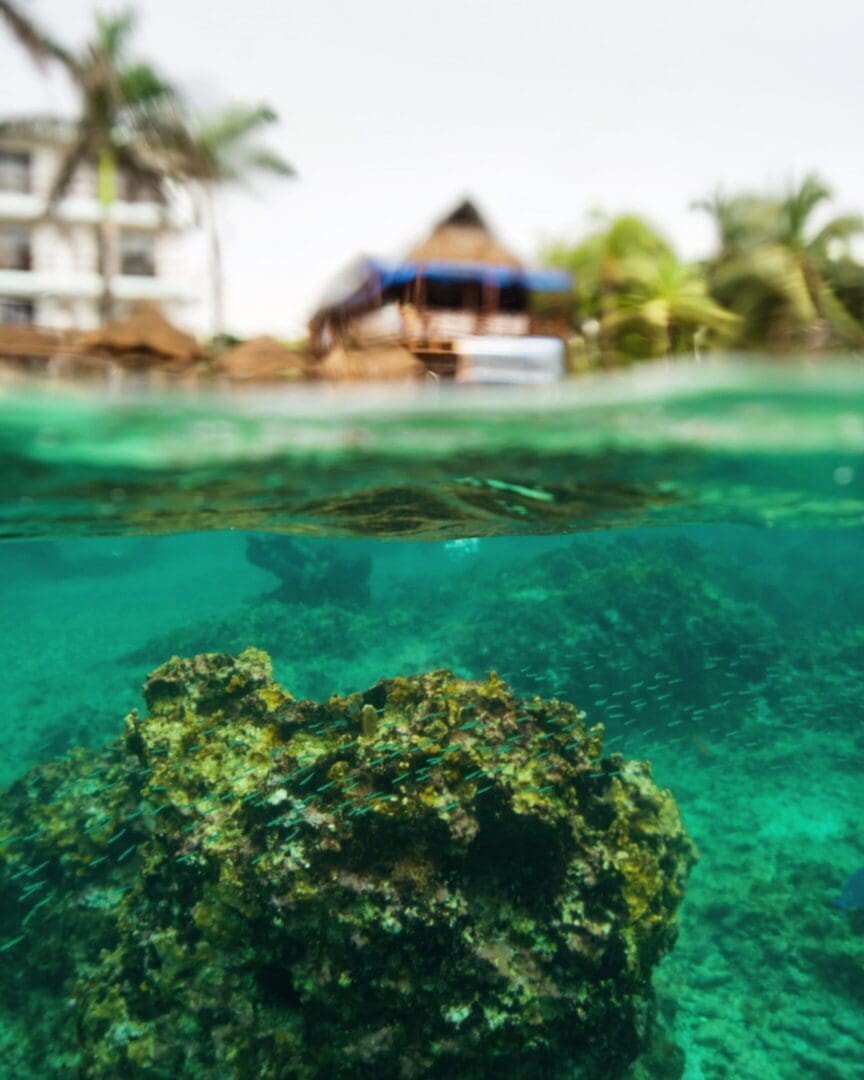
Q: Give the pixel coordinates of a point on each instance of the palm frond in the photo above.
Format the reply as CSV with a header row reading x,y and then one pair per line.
x,y
158,140
840,230
629,234
798,206
269,161
844,326
649,312
113,32
742,221
135,163
770,270
140,84
225,151
236,122
703,311
39,44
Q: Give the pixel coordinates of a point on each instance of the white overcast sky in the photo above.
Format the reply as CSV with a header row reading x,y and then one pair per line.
x,y
542,110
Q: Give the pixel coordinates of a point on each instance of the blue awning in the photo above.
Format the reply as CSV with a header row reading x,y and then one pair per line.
x,y
533,280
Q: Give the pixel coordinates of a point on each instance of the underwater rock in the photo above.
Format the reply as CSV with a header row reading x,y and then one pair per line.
x,y
310,572
432,878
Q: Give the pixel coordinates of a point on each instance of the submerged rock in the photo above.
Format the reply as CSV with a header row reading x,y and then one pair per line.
x,y
431,878
310,572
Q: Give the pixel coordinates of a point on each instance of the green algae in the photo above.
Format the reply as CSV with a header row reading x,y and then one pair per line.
x,y
247,885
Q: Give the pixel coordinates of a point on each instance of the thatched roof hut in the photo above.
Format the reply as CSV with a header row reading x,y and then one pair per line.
x,y
262,359
35,341
141,336
463,237
458,284
347,365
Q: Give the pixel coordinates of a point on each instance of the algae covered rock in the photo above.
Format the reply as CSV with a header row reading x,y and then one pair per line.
x,y
431,878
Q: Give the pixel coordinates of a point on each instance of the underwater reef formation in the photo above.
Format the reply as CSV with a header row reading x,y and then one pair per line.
x,y
307,572
431,878
630,628
584,621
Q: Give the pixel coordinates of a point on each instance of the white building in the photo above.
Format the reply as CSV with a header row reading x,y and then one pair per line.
x,y
48,257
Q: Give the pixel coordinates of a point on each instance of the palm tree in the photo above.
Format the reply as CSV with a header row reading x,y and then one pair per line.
x,y
662,307
223,150
37,43
631,285
774,266
126,118
596,261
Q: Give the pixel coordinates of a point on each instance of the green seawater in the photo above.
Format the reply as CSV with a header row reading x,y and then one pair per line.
x,y
678,551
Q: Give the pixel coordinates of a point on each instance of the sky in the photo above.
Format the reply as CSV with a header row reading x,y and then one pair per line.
x,y
542,112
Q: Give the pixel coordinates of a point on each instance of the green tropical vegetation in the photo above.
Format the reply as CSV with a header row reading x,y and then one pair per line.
x,y
777,266
634,297
783,276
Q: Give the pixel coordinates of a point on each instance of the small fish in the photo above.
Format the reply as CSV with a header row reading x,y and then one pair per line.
x,y
852,897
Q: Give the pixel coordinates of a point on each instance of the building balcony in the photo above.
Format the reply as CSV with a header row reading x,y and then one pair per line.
x,y
84,210
88,285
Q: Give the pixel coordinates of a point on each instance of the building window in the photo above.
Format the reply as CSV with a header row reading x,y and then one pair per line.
x,y
138,255
14,171
14,248
15,312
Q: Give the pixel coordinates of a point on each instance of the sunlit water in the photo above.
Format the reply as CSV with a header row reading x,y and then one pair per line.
x,y
678,552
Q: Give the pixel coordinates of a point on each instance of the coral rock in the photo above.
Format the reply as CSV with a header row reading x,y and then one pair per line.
x,y
433,878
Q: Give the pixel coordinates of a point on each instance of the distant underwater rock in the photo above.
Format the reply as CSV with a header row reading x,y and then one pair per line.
x,y
852,897
311,572
433,878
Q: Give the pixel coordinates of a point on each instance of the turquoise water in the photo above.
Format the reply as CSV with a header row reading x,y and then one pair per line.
x,y
677,552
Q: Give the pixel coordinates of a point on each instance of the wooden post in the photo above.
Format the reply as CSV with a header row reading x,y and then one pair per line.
x,y
420,301
489,303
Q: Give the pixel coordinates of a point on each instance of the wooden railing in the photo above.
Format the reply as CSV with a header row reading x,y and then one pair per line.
x,y
437,330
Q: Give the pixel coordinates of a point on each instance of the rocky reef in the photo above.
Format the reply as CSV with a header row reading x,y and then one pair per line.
x,y
433,878
306,572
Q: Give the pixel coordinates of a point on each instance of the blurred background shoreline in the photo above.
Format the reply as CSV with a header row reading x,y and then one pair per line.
x,y
122,183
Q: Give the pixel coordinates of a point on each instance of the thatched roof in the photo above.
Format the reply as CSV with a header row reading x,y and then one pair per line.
x,y
390,362
463,236
261,359
144,332
20,341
